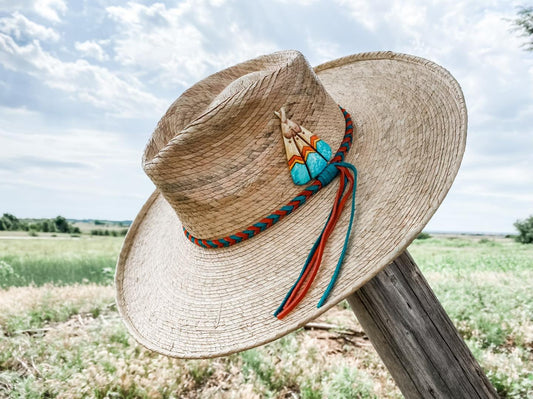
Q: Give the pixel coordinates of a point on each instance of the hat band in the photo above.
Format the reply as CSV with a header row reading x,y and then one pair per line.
x,y
321,181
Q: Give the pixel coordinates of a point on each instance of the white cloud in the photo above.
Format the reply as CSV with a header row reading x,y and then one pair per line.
x,y
86,82
51,9
472,39
80,172
505,180
184,43
324,50
48,9
91,49
93,148
479,213
439,29
366,13
302,3
78,160
20,27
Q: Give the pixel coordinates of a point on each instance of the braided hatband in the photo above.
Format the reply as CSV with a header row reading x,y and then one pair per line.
x,y
322,180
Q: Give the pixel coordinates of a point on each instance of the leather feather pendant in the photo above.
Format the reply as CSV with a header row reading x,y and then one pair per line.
x,y
307,154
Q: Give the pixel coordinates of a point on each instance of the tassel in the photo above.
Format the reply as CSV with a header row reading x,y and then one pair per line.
x,y
346,190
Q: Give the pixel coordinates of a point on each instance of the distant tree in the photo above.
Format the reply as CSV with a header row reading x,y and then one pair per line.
x,y
524,23
62,224
45,226
35,226
10,217
75,230
48,226
98,223
10,221
423,236
525,230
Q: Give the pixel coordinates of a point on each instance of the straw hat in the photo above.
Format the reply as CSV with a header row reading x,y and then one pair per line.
x,y
218,160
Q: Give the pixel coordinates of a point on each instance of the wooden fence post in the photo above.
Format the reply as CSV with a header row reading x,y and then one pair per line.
x,y
414,336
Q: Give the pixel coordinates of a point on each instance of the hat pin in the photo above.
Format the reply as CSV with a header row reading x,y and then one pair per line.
x,y
307,154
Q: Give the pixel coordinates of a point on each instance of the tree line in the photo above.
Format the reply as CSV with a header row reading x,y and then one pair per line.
x,y
105,232
59,224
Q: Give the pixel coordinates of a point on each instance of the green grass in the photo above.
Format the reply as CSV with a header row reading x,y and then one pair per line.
x,y
483,283
456,255
351,383
60,261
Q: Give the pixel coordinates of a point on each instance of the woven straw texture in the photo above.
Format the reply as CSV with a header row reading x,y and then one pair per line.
x,y
218,161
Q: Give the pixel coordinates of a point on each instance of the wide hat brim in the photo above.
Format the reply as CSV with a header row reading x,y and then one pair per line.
x,y
185,301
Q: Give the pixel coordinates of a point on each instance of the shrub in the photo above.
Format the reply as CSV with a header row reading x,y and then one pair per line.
x,y
423,236
107,232
45,226
35,227
62,224
525,230
351,383
7,274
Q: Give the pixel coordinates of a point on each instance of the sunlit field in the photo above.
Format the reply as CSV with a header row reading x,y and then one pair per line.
x,y
61,260
60,334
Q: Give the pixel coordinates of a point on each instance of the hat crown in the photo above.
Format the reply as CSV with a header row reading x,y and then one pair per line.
x,y
217,155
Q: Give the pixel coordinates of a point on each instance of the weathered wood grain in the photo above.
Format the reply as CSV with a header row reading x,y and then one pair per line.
x,y
415,337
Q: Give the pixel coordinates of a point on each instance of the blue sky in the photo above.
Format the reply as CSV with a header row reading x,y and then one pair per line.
x,y
83,84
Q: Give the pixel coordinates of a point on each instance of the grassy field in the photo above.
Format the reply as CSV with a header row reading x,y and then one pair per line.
x,y
60,260
61,336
